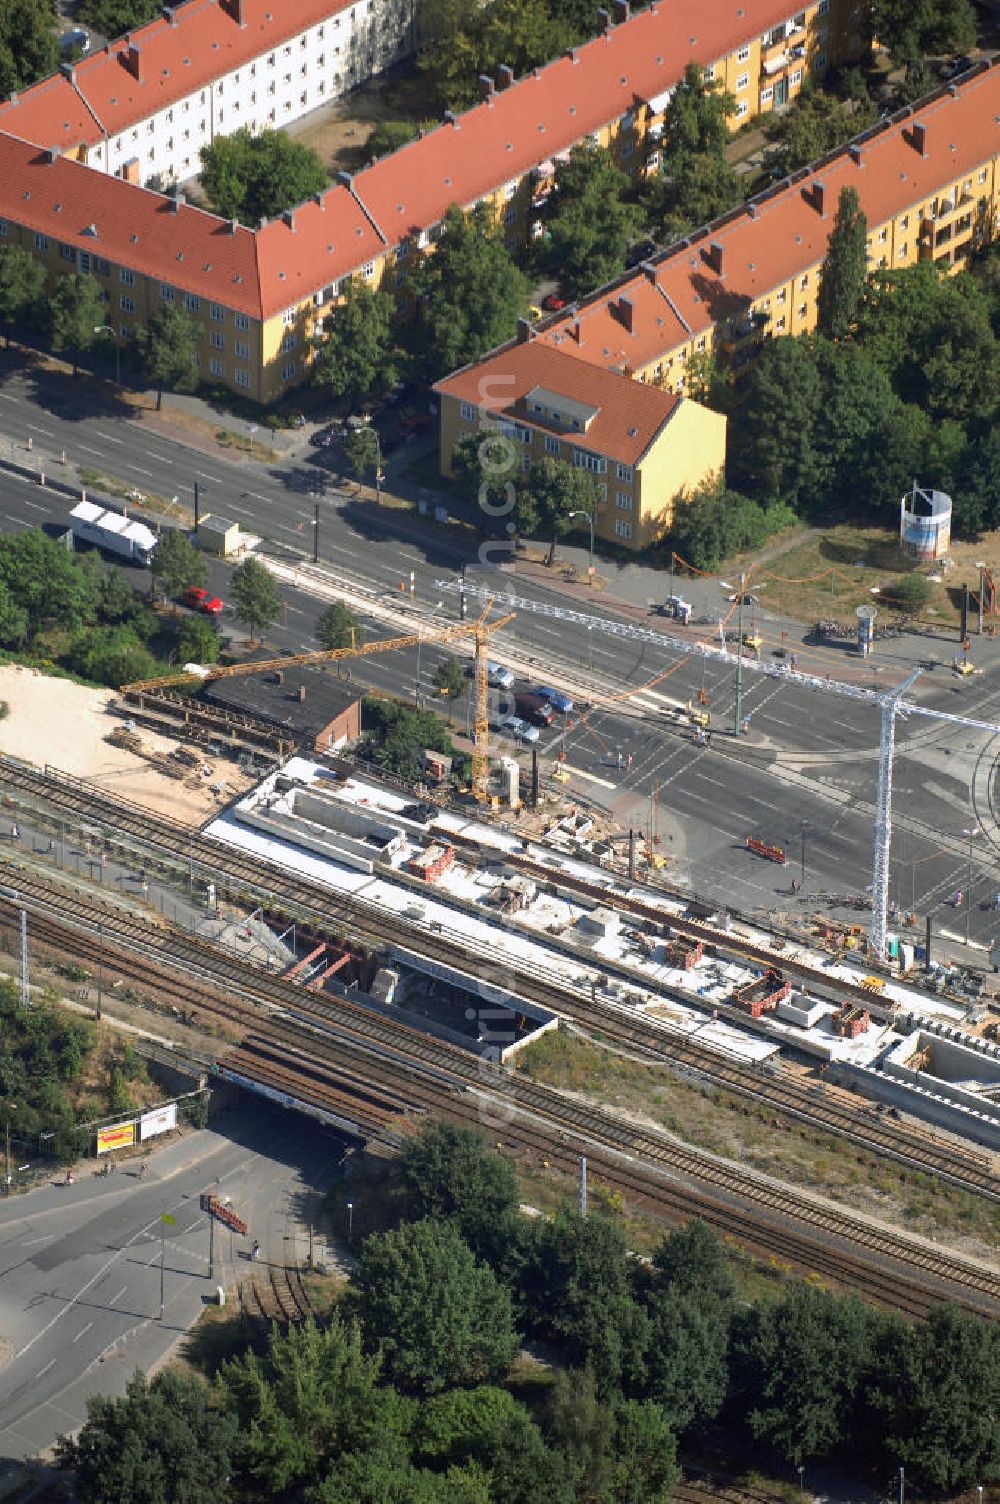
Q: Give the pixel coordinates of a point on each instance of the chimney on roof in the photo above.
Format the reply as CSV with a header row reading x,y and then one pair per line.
x,y
170,15
817,197
570,52
574,330
753,209
302,694
176,201
486,86
13,96
132,60
918,137
857,155
620,11
52,154
68,70
288,216
713,255
450,118
626,311
231,225
235,10
505,77
344,179
279,677
523,331
649,271
603,21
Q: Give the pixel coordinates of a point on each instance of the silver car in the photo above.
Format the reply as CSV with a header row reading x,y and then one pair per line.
x,y
520,730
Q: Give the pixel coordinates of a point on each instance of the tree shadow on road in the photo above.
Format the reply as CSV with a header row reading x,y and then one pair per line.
x,y
76,399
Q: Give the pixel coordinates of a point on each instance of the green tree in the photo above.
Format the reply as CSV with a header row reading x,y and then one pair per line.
x,y
362,449
112,18
168,351
337,627
111,655
910,592
13,620
468,295
254,176
434,1311
696,120
449,61
450,681
912,30
772,451
486,1428
643,1455
522,34
845,268
485,466
816,123
935,1399
22,285
713,523
76,310
581,1426
160,1444
389,136
256,597
551,491
28,46
695,183
312,1396
452,1171
198,641
589,220
396,734
46,582
178,563
356,354
800,1367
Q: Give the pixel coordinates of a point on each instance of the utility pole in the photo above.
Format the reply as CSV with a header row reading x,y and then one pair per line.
x,y
197,503
100,970
211,1243
316,533
902,1486
25,998
583,1185
802,862
738,713
631,855
972,832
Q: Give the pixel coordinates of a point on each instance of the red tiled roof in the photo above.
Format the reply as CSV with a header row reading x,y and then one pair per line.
x,y
204,43
186,247
629,414
554,107
766,245
332,237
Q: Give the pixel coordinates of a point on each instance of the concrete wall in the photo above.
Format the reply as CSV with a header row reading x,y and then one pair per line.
x,y
920,1101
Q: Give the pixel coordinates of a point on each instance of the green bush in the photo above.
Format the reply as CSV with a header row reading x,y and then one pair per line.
x,y
910,592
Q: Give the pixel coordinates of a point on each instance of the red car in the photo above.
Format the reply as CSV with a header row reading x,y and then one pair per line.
x,y
200,600
552,302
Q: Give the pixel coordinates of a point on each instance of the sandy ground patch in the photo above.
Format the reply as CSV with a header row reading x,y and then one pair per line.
x,y
64,724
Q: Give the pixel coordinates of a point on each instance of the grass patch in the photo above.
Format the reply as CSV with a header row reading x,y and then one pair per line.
x,y
752,1133
244,444
167,506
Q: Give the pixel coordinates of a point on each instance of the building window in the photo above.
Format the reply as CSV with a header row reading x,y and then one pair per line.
x,y
241,349
623,528
288,370
823,7
467,411
3,227
983,174
780,324
191,303
709,72
802,310
623,500
242,376
102,267
288,317
510,214
883,236
368,270
743,53
125,331
595,463
67,252
288,343
552,445
217,367
127,304
742,108
804,281
901,251
821,61
795,78
625,471
217,340
241,320
743,81
167,293
217,312
781,295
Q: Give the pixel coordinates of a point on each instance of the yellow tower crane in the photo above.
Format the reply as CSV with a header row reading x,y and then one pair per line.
x,y
481,631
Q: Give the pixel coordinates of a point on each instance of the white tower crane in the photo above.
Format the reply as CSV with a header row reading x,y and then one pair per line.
x,y
890,704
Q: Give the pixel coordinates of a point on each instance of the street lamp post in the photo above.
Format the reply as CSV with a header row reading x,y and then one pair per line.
x,y
802,865
802,1474
6,1149
972,832
738,710
251,430
981,566
350,1223
590,518
316,534
107,329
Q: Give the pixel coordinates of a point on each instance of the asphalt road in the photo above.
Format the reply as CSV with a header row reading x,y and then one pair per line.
x,y
80,1264
810,758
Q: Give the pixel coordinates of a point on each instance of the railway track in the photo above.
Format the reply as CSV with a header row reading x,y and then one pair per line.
x,y
325,1061
812,1104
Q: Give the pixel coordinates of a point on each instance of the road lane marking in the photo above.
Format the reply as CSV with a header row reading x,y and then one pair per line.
x,y
87,450
590,777
109,436
213,478
34,506
50,1364
121,1292
138,470
48,432
84,1332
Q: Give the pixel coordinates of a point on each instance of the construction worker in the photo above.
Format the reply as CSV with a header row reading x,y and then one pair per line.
x,y
256,1250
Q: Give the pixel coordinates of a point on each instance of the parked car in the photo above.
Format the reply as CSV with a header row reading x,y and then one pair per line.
x,y
518,729
499,677
325,438
534,708
200,600
75,42
640,252
560,702
552,302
